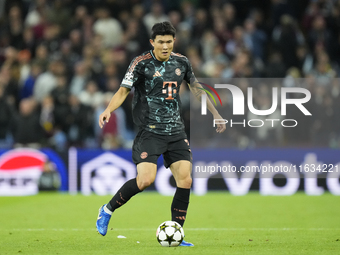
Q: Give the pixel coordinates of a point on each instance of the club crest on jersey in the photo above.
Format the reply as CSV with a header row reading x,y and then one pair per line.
x,y
128,76
178,71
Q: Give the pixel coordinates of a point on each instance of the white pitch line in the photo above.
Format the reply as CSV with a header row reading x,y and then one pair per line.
x,y
188,229
260,229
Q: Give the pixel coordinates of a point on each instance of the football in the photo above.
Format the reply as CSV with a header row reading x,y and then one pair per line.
x,y
170,234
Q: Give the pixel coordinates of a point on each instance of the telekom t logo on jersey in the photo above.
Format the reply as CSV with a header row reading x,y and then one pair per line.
x,y
238,100
169,85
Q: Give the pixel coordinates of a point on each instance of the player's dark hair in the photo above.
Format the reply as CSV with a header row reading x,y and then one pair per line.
x,y
162,28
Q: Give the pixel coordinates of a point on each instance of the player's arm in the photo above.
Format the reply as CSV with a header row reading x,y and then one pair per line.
x,y
115,102
131,76
197,89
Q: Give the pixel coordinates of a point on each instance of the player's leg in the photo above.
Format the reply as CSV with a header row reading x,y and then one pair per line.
x,y
128,190
144,154
146,174
181,171
178,157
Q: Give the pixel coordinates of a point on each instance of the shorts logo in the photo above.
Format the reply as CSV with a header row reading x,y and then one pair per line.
x,y
143,155
128,76
186,140
178,71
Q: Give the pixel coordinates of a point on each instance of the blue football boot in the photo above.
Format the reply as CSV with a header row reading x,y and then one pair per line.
x,y
102,221
187,244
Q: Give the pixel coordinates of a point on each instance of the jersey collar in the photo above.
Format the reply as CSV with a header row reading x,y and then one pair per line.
x,y
157,59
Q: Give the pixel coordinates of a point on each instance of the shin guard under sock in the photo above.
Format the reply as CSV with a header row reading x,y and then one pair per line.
x,y
128,190
179,205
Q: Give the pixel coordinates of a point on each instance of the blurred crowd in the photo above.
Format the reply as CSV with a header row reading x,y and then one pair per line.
x,y
62,60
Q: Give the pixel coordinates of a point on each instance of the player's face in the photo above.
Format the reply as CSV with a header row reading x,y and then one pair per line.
x,y
162,46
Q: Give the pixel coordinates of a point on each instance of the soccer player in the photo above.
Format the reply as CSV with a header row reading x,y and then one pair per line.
x,y
156,76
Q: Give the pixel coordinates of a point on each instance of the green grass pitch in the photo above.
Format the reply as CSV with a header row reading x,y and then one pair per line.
x,y
217,223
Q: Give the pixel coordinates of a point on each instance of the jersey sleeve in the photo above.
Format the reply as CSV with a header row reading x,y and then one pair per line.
x,y
189,76
132,74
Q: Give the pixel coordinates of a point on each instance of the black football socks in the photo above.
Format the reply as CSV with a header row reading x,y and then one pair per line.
x,y
179,205
128,190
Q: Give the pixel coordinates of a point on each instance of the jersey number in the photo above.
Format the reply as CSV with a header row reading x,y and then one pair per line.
x,y
169,85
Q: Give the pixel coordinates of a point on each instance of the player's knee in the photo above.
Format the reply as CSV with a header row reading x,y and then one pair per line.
x,y
188,182
145,182
185,183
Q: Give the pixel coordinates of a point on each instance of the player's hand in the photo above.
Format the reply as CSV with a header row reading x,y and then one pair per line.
x,y
221,127
104,117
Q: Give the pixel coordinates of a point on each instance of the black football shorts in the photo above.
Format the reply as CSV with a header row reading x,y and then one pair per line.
x,y
148,146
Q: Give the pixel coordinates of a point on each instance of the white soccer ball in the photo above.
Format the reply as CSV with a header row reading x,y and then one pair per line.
x,y
170,234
